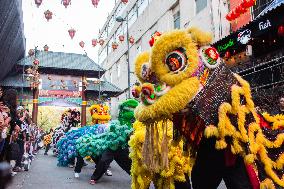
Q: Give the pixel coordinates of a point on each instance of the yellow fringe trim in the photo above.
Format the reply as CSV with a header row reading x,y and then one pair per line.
x,y
277,120
211,131
179,164
267,184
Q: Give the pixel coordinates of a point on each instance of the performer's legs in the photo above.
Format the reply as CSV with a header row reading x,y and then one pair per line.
x,y
123,160
102,165
46,149
79,164
208,167
236,177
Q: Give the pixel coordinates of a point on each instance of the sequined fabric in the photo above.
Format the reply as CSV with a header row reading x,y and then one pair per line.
x,y
216,91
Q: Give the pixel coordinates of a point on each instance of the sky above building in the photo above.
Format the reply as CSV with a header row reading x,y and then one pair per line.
x,y
80,15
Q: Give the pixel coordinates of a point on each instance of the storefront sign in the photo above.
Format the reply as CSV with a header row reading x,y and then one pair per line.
x,y
264,25
224,47
244,36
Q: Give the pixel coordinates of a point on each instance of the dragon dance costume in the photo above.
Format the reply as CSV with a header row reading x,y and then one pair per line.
x,y
196,114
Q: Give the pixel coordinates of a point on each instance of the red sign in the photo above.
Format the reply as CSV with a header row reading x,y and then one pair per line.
x,y
242,20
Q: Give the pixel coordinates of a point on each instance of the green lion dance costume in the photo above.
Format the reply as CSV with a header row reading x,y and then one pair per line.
x,y
196,110
116,136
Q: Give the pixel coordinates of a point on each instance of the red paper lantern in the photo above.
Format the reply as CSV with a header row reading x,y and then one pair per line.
x,y
82,44
281,31
124,1
240,10
101,42
131,40
95,3
72,33
48,15
36,62
66,3
45,48
154,38
121,38
31,52
94,42
247,3
234,14
114,45
38,2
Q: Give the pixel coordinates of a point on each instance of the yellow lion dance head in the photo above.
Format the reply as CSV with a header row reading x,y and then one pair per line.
x,y
100,113
181,62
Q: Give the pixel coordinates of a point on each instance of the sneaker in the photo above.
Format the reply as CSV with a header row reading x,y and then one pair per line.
x,y
71,166
108,173
13,173
92,182
17,169
76,175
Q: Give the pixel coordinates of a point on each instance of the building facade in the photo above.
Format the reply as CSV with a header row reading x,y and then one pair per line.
x,y
144,17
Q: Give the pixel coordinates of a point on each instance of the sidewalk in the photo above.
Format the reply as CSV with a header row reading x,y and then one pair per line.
x,y
44,174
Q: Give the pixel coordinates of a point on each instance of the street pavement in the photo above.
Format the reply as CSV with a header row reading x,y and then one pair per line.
x,y
44,174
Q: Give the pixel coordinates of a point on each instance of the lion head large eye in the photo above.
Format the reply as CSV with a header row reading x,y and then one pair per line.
x,y
176,60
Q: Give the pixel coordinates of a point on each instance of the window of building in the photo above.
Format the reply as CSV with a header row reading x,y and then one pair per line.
x,y
132,15
118,32
142,4
118,69
120,9
177,20
111,23
110,44
103,55
200,5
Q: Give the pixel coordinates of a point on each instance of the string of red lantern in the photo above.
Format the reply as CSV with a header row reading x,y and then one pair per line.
x,y
131,40
124,1
38,2
95,3
94,42
48,15
82,44
45,48
242,8
66,3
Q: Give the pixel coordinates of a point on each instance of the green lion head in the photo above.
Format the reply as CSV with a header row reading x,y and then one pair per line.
x,y
126,112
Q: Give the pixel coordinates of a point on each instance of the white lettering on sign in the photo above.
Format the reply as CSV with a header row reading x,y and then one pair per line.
x,y
264,25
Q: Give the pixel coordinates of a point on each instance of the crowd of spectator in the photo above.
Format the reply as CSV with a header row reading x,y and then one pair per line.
x,y
20,138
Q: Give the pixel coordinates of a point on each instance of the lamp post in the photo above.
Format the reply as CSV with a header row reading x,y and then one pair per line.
x,y
120,19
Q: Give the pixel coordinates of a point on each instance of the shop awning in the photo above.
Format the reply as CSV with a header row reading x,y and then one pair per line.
x,y
264,23
273,5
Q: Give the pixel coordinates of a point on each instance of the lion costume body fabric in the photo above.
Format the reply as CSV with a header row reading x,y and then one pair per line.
x,y
115,137
185,84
